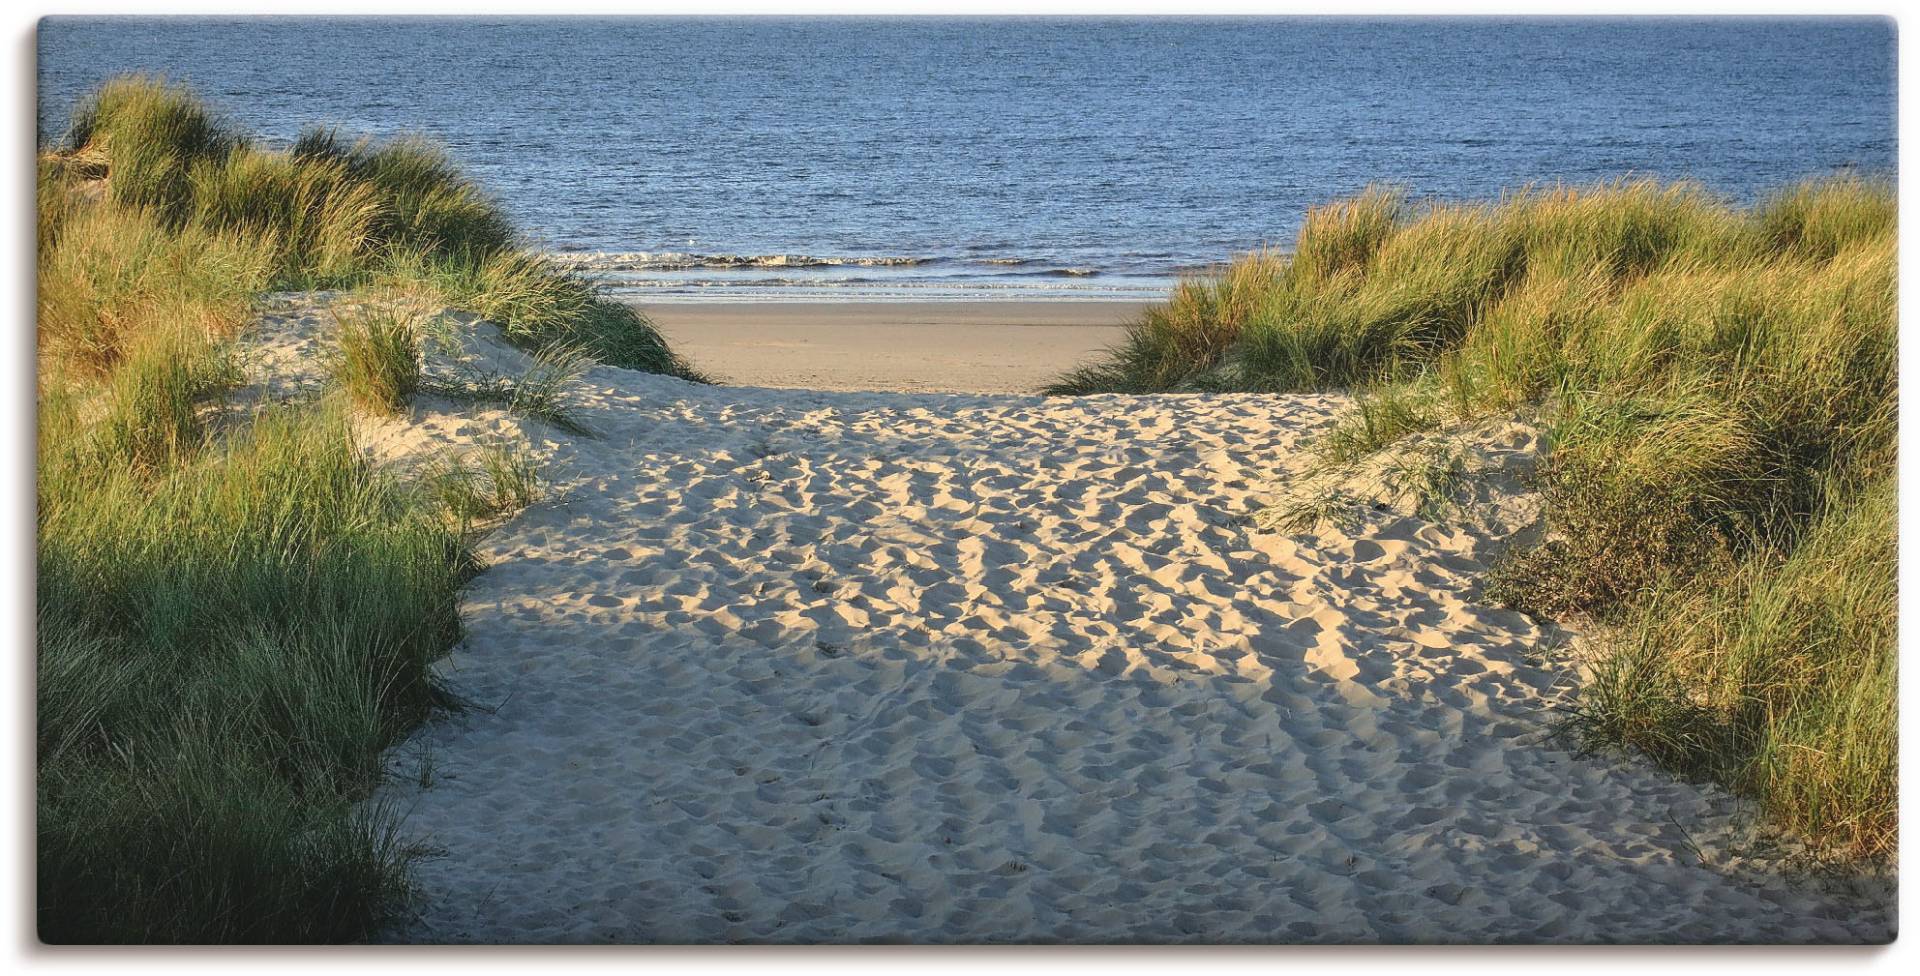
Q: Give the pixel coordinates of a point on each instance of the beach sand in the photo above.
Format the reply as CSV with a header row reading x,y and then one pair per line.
x,y
960,347
804,666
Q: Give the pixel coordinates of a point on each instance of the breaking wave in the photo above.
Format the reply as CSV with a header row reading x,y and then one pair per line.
x,y
999,273
685,261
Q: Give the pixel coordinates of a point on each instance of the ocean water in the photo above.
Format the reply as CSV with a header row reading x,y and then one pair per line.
x,y
901,158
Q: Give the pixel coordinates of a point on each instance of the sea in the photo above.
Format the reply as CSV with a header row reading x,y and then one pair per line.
x,y
1031,158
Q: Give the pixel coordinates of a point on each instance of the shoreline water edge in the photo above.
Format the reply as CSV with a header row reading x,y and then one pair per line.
x,y
690,276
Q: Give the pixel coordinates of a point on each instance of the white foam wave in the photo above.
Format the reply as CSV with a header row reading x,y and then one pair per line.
x,y
685,260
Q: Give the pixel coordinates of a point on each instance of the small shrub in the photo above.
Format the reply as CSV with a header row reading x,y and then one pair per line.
x,y
539,393
1428,477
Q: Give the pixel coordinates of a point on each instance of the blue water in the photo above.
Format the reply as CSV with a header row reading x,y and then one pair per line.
x,y
1014,158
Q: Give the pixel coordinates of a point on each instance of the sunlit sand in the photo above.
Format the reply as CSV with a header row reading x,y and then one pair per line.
x,y
793,665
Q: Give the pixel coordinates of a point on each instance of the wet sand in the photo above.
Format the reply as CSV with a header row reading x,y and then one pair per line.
x,y
934,347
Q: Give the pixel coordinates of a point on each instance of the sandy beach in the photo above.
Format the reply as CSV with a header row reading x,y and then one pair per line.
x,y
959,481
800,666
949,347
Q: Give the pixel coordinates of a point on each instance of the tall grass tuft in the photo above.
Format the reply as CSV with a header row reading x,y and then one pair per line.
x,y
114,274
482,483
379,360
333,213
1778,679
1345,235
150,413
1719,387
428,204
539,305
320,221
225,649
153,132
236,613
1175,345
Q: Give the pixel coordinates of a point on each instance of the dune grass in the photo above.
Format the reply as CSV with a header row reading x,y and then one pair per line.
x,y
333,213
235,610
227,642
1777,679
109,275
379,360
539,392
1719,391
539,305
479,484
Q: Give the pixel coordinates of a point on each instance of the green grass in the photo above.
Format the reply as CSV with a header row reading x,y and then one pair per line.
x,y
379,359
427,203
333,213
539,305
540,392
152,410
1428,477
226,646
1718,388
235,611
1778,679
1380,417
320,222
482,483
110,275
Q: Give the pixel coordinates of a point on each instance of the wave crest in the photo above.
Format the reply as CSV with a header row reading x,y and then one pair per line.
x,y
684,261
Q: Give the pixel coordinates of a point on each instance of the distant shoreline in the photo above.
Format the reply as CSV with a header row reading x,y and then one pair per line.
x,y
993,346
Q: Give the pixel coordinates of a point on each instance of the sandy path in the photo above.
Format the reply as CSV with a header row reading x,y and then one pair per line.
x,y
974,347
801,666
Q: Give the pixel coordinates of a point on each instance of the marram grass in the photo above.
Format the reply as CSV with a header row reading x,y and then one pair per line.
x,y
378,364
332,213
1719,388
1777,679
226,645
235,609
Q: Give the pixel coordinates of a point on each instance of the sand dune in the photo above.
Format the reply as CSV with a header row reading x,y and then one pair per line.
x,y
796,666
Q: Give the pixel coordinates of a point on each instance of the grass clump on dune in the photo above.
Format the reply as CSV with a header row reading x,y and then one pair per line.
x,y
379,359
109,275
482,483
230,626
151,412
333,213
539,305
235,610
426,202
227,642
1778,679
1719,390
